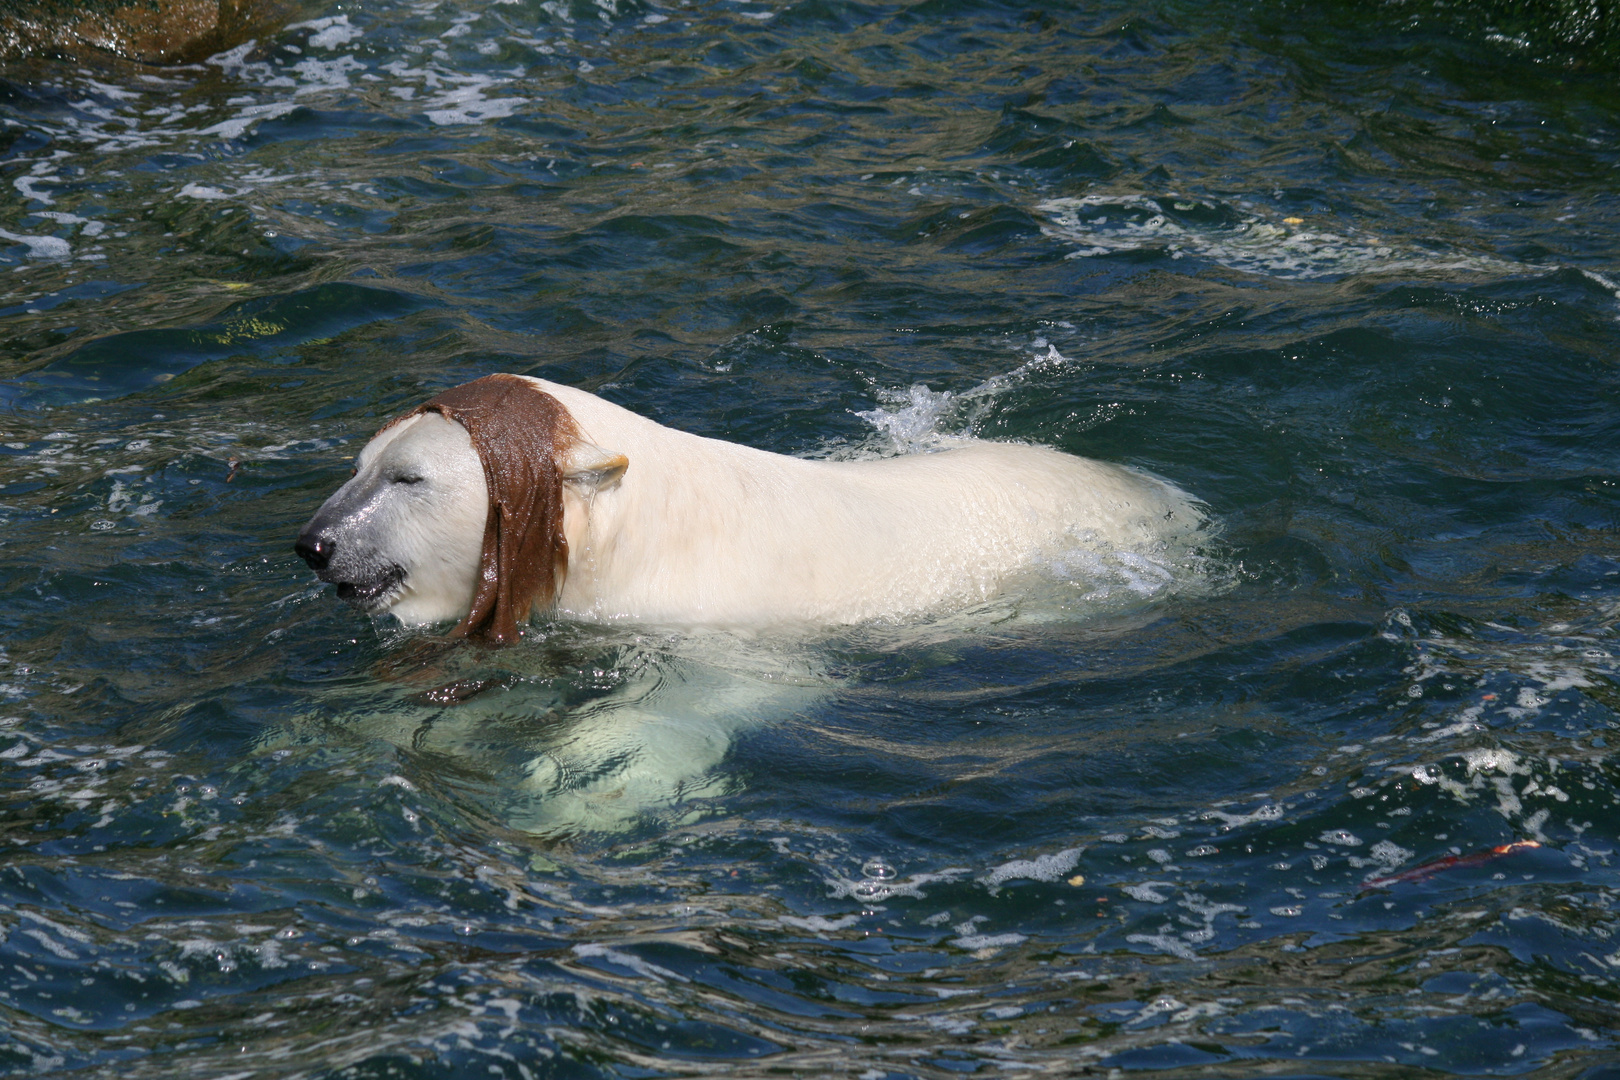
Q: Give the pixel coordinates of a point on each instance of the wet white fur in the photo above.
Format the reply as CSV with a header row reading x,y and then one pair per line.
x,y
434,529
698,531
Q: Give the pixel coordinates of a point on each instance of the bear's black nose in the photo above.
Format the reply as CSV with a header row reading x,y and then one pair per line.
x,y
315,549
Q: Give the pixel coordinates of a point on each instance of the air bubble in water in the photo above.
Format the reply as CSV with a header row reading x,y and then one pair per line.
x,y
878,870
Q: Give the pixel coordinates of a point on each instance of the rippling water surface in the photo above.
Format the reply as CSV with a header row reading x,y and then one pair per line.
x,y
1333,797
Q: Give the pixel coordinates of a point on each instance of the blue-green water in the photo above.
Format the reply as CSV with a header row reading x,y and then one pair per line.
x,y
1348,273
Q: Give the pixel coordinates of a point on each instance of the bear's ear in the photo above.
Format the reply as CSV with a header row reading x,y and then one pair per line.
x,y
589,469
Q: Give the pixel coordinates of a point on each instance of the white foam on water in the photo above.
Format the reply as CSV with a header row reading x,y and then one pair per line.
x,y
330,33
1148,891
817,924
868,891
1106,224
315,75
40,247
468,103
29,186
1386,857
236,127
202,191
1166,942
1267,812
1463,742
1041,868
975,942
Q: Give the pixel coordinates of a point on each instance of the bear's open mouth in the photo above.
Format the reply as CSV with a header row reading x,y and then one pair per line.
x,y
375,596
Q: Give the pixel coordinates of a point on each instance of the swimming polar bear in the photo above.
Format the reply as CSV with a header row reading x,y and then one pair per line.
x,y
510,495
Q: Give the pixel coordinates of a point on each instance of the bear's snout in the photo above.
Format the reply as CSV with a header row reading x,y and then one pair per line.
x,y
315,548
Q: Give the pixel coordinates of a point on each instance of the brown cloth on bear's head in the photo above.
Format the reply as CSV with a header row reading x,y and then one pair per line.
x,y
520,433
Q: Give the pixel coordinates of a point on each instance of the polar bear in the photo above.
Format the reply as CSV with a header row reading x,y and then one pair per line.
x,y
510,496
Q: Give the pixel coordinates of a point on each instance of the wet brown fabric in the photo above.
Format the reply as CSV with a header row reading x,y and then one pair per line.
x,y
521,434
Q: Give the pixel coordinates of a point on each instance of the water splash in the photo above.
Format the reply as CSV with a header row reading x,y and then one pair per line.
x,y
919,419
